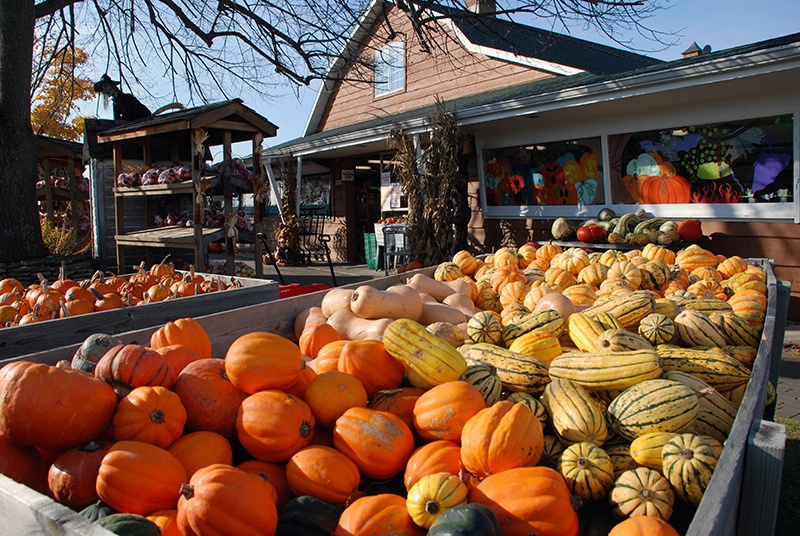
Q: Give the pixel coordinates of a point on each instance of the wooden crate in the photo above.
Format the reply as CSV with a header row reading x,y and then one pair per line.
x,y
718,514
43,336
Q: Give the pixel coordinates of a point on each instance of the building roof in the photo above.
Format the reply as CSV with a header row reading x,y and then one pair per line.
x,y
480,107
49,146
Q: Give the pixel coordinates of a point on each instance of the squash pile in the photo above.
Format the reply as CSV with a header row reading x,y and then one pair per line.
x,y
65,297
506,395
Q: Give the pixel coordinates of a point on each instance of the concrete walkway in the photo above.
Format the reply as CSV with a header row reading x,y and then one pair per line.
x,y
788,402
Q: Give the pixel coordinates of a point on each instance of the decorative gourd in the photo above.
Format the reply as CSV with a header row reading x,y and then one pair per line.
x,y
587,470
643,526
581,294
621,459
262,360
574,415
488,300
213,503
324,473
646,449
551,455
513,292
607,371
139,478
528,500
128,366
154,415
374,515
186,331
652,406
466,262
447,271
272,425
533,404
504,275
374,367
714,366
197,450
501,437
626,271
716,413
315,336
583,331
433,495
423,352
434,457
379,443
621,340
91,350
452,334
442,411
688,462
485,378
36,401
399,401
628,308
537,344
466,520
560,277
97,510
657,328
210,399
129,524
547,321
332,393
308,516
517,372
736,330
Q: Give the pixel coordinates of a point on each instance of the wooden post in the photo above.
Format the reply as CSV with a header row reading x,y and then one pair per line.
x,y
48,191
258,213
119,224
199,245
230,244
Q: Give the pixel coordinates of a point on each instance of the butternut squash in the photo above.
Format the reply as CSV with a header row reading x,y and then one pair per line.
x,y
309,316
352,327
460,286
438,290
399,301
462,302
336,299
439,312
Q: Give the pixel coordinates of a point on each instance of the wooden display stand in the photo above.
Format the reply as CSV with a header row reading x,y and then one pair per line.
x,y
194,129
55,153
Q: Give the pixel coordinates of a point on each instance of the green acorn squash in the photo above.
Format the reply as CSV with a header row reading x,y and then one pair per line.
x,y
97,510
467,520
308,516
129,525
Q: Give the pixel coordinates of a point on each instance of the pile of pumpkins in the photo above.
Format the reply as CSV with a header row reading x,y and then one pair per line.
x,y
536,390
65,297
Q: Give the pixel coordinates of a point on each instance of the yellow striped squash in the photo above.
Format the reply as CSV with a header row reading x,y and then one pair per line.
x,y
485,378
517,372
574,416
584,330
667,307
551,455
608,321
533,403
714,367
484,326
646,449
621,458
689,461
538,344
707,306
547,321
587,470
736,330
657,328
746,355
621,340
735,395
629,308
432,358
716,413
642,492
607,371
652,406
695,328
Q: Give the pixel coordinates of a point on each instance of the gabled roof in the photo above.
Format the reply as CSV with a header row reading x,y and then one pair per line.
x,y
781,52
502,39
49,146
232,115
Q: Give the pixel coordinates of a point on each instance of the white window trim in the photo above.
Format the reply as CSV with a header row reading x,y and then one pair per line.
x,y
376,54
766,212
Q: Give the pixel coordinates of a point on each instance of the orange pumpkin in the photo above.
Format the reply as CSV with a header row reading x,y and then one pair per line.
x,y
529,500
139,478
9,284
315,336
304,379
217,502
166,521
210,399
332,393
154,415
324,473
186,331
442,411
434,457
399,401
128,366
501,437
201,449
261,360
179,355
371,364
23,464
36,401
73,475
665,190
328,357
75,307
379,443
378,515
107,301
643,526
273,426
275,474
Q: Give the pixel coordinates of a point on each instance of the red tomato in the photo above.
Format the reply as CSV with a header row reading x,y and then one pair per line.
x,y
591,234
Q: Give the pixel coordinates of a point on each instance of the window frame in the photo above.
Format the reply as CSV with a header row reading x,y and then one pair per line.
x,y
394,73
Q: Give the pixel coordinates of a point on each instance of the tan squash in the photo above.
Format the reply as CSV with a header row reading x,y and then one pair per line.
x,y
438,290
399,301
352,327
336,299
439,312
307,317
462,302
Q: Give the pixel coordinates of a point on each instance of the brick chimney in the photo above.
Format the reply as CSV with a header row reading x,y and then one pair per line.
x,y
482,7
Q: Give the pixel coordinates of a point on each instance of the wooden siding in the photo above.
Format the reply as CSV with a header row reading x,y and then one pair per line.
x,y
448,72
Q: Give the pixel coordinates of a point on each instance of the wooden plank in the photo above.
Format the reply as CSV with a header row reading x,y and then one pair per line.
x,y
172,236
763,469
155,189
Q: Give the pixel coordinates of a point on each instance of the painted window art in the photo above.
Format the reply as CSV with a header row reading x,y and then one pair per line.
x,y
549,174
746,161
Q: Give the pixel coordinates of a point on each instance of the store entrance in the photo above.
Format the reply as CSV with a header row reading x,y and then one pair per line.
x,y
368,208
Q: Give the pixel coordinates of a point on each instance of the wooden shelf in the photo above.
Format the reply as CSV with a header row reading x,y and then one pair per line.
x,y
173,236
185,187
41,193
675,246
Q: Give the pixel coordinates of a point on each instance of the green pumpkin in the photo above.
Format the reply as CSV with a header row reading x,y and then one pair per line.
x,y
467,520
129,525
98,510
308,516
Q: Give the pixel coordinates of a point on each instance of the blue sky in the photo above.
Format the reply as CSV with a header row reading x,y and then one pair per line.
x,y
719,23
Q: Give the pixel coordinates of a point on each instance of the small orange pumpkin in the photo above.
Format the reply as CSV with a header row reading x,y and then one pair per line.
x,y
442,411
166,521
316,336
262,360
128,366
371,364
377,515
332,393
273,426
154,415
73,475
275,474
324,473
201,449
434,457
186,331
399,401
179,355
643,526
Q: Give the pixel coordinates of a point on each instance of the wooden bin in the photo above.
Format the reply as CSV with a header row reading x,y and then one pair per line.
x,y
719,513
42,336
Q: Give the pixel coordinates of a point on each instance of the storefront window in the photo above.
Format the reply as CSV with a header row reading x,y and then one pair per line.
x,y
315,194
566,173
747,161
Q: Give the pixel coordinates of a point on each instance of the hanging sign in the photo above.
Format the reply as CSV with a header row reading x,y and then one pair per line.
x,y
348,175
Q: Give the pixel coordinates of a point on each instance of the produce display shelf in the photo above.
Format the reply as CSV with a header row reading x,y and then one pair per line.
x,y
169,236
741,496
675,246
40,336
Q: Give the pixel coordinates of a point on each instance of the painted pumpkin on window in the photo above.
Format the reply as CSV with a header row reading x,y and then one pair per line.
x,y
562,194
665,190
589,166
